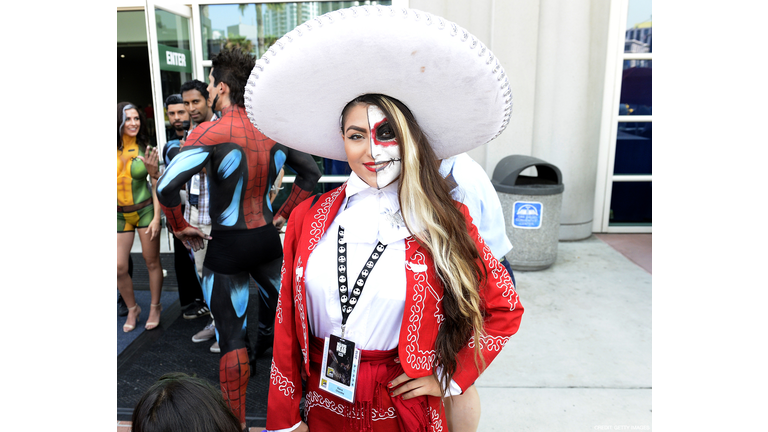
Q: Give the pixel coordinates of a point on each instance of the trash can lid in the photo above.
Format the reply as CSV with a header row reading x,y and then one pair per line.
x,y
506,176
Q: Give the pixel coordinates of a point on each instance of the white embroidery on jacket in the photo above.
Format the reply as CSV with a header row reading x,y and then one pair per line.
x,y
416,268
279,310
318,226
418,359
437,422
280,381
489,343
316,399
500,274
299,301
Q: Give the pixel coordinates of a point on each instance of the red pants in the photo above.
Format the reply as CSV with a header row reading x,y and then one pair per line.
x,y
374,410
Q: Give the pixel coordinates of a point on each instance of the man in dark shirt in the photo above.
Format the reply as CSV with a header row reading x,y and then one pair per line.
x,y
177,115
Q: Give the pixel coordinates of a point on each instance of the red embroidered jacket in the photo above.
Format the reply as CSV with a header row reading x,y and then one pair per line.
x,y
421,319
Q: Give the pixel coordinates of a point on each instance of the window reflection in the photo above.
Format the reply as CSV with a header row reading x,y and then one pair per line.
x,y
633,148
638,36
172,30
636,88
255,27
631,204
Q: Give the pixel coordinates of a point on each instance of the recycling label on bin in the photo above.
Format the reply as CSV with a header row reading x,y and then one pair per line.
x,y
527,215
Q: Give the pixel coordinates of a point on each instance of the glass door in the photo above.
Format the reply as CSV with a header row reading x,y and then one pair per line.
x,y
172,62
172,57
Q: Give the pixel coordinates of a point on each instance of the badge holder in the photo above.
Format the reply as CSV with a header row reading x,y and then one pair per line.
x,y
338,374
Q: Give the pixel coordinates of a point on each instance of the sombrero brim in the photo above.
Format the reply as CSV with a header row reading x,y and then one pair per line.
x,y
453,85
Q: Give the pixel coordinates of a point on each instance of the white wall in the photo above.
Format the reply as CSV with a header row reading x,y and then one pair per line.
x,y
553,52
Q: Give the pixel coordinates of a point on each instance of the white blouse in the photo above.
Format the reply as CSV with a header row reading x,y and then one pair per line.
x,y
368,215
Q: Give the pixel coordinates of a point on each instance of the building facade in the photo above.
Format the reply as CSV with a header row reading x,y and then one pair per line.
x,y
580,73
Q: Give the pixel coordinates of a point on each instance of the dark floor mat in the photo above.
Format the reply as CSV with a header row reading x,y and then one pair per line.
x,y
141,275
171,349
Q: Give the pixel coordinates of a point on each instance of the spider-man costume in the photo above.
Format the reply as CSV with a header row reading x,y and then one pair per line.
x,y
242,164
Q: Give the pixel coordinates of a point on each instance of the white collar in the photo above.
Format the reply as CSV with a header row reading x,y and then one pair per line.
x,y
369,214
446,166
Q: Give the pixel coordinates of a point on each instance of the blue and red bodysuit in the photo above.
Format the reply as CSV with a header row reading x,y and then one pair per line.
x,y
242,164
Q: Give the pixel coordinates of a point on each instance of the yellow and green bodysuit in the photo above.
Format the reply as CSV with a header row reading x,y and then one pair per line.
x,y
134,196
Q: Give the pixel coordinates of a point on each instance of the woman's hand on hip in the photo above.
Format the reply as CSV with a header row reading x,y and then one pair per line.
x,y
411,388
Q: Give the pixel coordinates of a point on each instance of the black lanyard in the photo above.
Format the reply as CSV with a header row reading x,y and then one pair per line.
x,y
347,298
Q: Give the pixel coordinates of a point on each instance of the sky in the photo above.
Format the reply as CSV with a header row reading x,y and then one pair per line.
x,y
639,11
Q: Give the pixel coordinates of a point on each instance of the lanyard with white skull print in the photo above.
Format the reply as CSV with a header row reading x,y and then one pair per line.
x,y
347,297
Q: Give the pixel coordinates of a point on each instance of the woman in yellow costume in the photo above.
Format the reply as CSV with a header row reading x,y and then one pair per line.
x,y
137,207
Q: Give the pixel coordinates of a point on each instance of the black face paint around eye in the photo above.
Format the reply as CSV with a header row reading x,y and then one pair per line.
x,y
385,133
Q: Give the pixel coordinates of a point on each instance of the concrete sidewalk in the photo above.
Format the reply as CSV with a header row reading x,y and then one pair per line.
x,y
581,360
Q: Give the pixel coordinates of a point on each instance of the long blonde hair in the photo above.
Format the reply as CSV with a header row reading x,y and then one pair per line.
x,y
435,221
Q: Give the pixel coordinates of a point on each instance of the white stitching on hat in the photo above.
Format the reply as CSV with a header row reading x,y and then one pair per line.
x,y
427,19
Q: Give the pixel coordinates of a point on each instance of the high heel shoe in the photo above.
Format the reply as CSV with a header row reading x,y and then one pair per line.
x,y
152,325
127,327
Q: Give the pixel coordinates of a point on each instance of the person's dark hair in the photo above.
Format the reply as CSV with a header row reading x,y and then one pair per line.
x,y
143,137
426,202
194,85
179,402
233,67
173,100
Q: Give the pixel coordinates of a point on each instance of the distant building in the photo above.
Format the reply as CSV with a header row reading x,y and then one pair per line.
x,y
249,31
638,39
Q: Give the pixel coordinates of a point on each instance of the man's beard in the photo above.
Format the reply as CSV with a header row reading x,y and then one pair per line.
x,y
215,101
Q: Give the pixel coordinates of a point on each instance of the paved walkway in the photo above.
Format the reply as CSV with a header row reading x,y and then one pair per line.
x,y
581,360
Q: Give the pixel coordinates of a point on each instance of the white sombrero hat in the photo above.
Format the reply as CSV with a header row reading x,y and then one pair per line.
x,y
451,82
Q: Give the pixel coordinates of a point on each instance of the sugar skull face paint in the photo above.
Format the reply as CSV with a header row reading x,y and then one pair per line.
x,y
385,149
372,150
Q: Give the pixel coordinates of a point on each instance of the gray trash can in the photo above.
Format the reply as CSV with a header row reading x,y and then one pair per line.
x,y
531,208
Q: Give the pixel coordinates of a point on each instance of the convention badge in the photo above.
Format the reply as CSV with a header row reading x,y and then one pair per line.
x,y
194,188
338,374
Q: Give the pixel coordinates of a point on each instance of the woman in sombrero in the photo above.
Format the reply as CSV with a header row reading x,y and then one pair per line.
x,y
387,268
